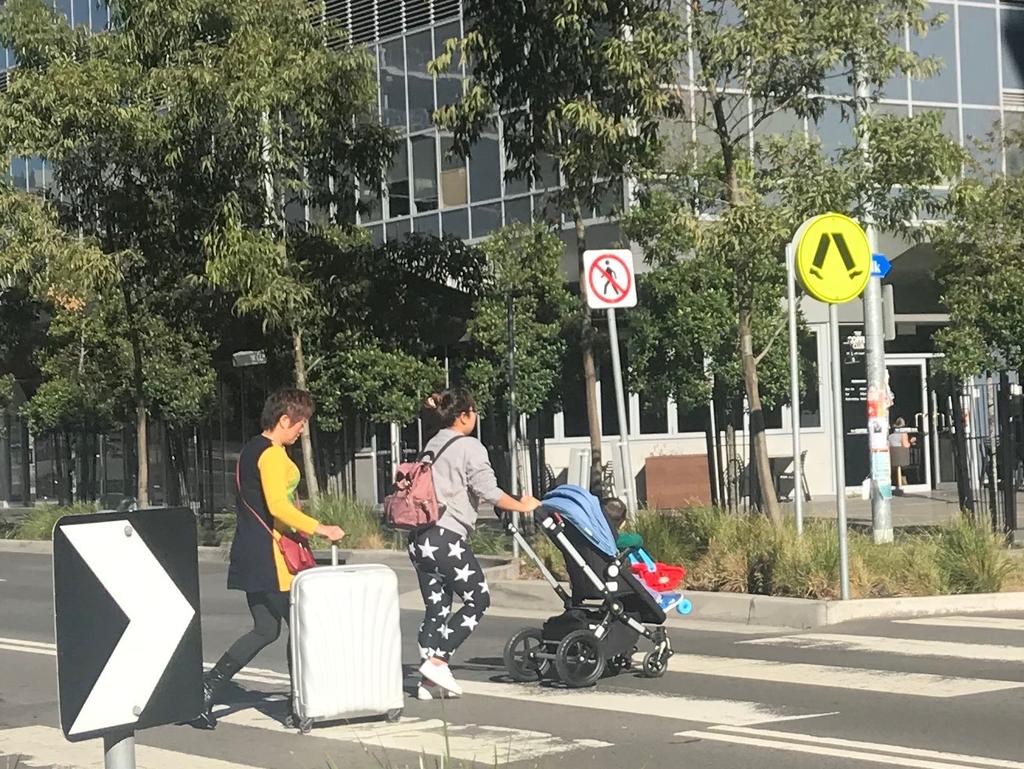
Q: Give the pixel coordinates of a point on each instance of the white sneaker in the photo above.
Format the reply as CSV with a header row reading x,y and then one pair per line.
x,y
428,691
442,676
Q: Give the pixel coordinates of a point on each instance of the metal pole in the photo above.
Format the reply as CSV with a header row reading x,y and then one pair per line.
x,y
513,422
794,389
837,450
874,356
119,751
620,403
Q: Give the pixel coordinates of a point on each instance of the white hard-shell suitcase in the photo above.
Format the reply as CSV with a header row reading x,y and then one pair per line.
x,y
346,643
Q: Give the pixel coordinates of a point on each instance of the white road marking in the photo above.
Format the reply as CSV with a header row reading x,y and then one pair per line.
x,y
985,623
28,649
910,647
698,709
834,677
44,745
873,752
466,742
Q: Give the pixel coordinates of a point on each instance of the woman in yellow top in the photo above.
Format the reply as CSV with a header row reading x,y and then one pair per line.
x,y
266,483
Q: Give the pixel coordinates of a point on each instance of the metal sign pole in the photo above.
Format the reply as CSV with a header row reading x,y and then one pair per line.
x,y
620,403
794,389
512,420
119,751
837,452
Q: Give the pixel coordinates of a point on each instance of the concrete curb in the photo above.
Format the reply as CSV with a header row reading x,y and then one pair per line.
x,y
495,567
759,610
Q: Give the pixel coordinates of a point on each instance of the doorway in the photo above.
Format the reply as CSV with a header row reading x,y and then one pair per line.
x,y
911,404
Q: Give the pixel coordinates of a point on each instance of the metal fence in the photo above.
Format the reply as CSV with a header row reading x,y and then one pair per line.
x,y
987,422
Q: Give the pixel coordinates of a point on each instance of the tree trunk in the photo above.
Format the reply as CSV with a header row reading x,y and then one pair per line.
x,y
142,455
758,439
587,347
138,378
309,468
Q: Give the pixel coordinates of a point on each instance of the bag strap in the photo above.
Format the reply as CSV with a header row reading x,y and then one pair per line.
x,y
436,456
241,496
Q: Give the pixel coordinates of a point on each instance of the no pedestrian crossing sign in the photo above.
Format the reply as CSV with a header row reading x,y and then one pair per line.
x,y
833,258
611,282
126,600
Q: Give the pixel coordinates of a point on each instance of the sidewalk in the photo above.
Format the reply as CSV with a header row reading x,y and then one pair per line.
x,y
933,508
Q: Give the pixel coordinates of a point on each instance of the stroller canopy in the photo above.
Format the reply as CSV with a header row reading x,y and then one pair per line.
x,y
583,510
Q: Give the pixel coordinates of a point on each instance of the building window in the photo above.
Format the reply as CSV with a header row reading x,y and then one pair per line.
x,y
940,43
609,405
981,137
421,83
485,166
456,223
693,419
397,230
486,219
979,82
424,170
392,83
896,87
574,400
517,211
398,183
427,224
449,84
834,130
1012,23
19,173
653,415
453,176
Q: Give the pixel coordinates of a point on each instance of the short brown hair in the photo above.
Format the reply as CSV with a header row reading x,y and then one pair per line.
x,y
297,404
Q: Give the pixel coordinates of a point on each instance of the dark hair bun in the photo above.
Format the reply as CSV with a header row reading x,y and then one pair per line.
x,y
451,404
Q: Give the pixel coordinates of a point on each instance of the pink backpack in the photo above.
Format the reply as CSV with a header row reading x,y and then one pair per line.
x,y
412,503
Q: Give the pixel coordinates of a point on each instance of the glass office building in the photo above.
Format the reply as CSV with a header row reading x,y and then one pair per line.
x,y
978,88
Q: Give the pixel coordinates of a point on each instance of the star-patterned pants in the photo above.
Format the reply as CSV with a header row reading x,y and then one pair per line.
x,y
446,567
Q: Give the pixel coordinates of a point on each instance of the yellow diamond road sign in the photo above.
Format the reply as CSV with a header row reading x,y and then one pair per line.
x,y
833,258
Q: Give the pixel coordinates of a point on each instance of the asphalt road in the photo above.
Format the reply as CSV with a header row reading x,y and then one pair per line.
x,y
932,694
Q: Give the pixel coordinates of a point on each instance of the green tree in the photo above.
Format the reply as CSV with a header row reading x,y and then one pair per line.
x,y
101,110
524,277
389,311
981,277
736,211
582,83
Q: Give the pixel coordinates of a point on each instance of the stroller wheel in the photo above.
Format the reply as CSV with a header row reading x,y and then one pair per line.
x,y
520,659
655,664
618,663
579,661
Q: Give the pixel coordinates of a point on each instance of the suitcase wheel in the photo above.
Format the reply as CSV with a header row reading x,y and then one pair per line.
x,y
393,715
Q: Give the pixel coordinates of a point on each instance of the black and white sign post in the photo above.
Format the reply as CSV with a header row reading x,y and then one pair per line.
x,y
611,285
126,605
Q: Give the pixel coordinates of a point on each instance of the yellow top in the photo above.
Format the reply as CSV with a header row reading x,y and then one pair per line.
x,y
280,477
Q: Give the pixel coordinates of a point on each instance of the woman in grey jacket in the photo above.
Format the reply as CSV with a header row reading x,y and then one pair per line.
x,y
445,565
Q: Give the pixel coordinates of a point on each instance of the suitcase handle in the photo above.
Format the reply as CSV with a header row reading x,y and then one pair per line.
x,y
334,554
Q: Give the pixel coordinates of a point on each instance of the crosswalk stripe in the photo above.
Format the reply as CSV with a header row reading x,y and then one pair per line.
x,y
981,623
44,746
465,742
830,676
696,709
874,752
911,647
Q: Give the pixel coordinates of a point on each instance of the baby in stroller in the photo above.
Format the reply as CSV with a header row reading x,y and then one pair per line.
x,y
606,611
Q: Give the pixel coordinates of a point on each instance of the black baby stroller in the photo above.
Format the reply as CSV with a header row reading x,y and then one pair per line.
x,y
605,615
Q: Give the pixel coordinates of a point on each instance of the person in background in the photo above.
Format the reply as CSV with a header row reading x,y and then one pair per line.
x,y
899,451
266,480
445,564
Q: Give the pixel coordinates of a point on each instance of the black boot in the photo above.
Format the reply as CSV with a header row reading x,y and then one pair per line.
x,y
213,682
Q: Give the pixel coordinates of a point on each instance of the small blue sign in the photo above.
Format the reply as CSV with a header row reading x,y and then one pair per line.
x,y
880,266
